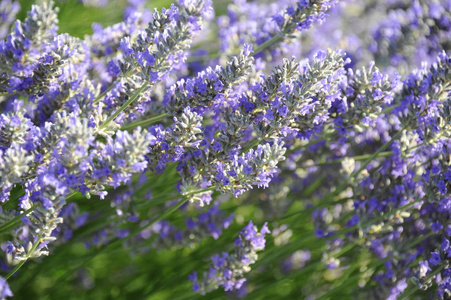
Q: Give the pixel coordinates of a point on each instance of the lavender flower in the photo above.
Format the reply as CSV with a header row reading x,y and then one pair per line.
x,y
4,289
353,157
426,23
28,39
8,12
227,269
262,26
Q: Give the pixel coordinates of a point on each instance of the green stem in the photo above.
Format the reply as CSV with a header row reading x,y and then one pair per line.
x,y
376,154
145,123
71,195
344,184
159,201
380,218
100,97
202,58
418,240
313,142
21,263
271,255
356,158
15,221
252,145
119,241
16,268
413,290
125,105
275,39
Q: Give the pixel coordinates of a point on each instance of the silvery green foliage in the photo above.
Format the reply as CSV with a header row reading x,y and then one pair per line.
x,y
318,87
14,128
231,137
237,119
71,135
164,41
14,163
253,168
367,93
424,100
41,24
40,224
121,156
296,102
186,129
211,85
146,43
52,133
74,144
171,143
157,50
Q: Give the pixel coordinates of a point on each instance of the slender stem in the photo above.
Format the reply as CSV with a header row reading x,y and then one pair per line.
x,y
21,263
100,97
145,123
252,145
15,221
412,291
376,154
275,39
16,268
158,201
380,218
344,184
71,195
202,58
418,240
133,233
356,158
313,142
125,105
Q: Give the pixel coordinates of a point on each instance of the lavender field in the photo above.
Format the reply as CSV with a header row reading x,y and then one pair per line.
x,y
225,149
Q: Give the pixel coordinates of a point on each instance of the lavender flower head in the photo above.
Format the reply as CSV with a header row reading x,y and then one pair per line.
x,y
227,269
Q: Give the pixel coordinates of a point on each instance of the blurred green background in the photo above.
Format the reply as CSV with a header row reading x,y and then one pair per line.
x,y
76,19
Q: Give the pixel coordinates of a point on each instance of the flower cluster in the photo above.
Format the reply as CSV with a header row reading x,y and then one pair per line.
x,y
4,289
227,268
